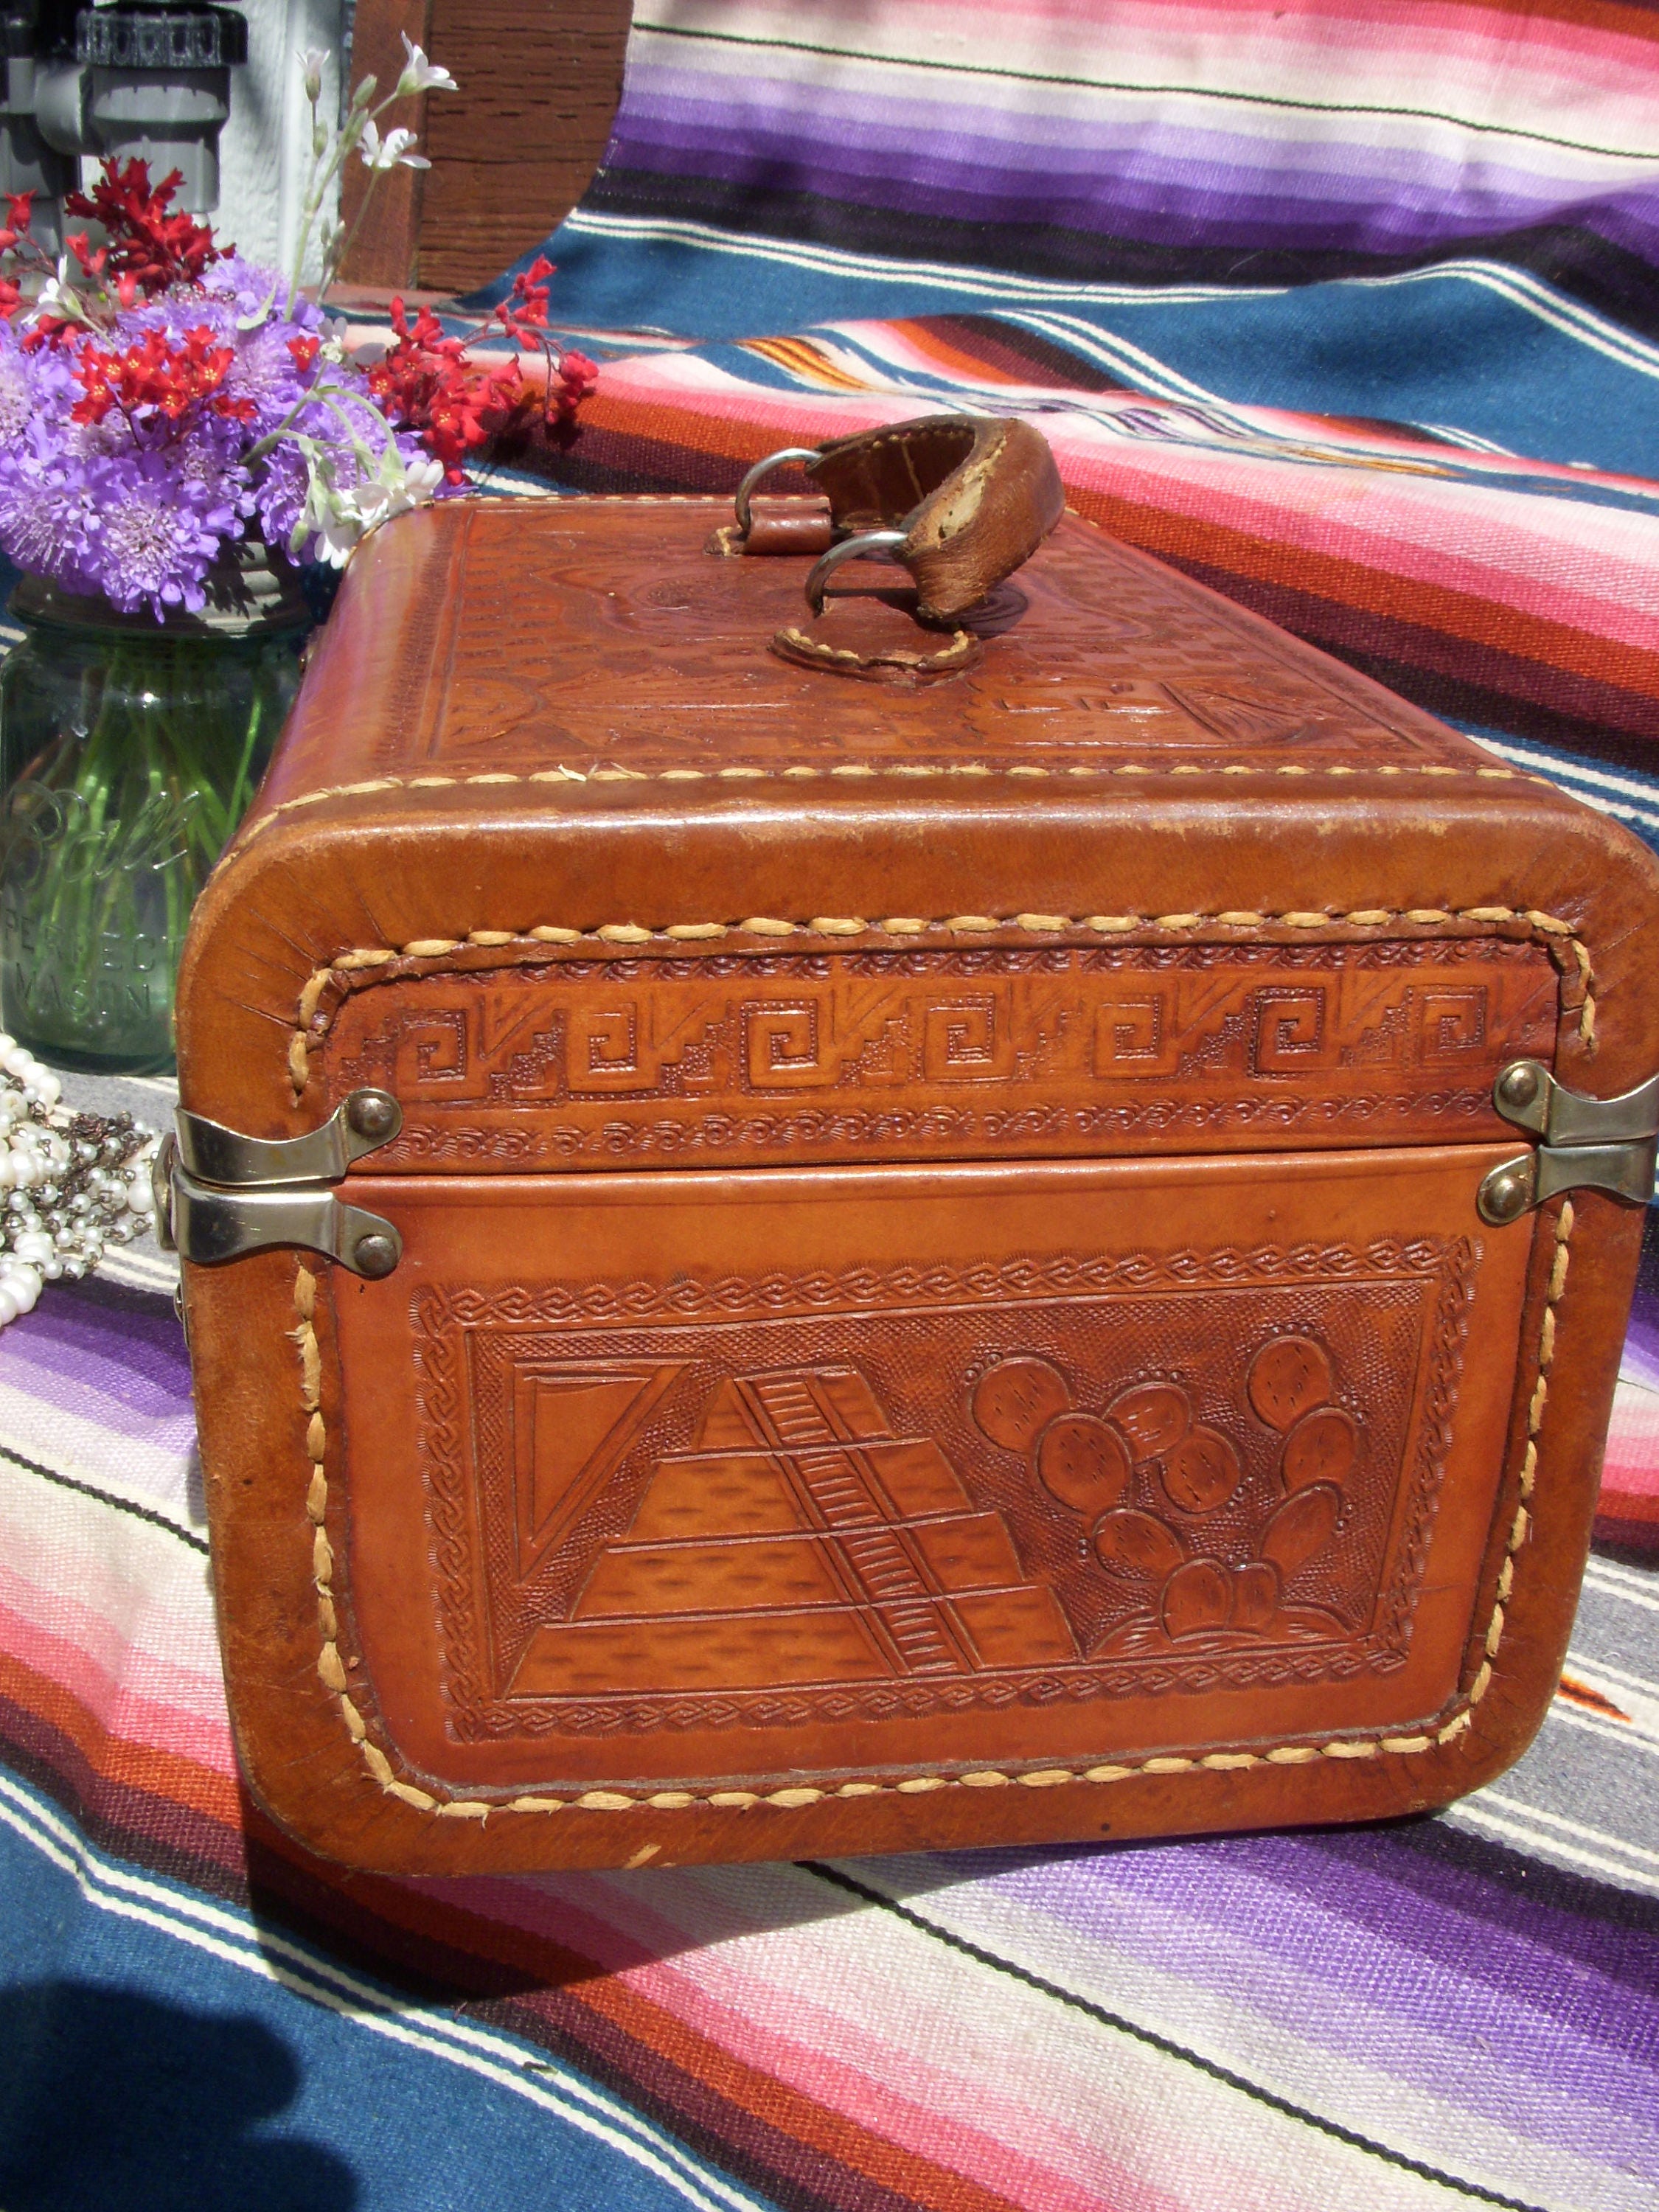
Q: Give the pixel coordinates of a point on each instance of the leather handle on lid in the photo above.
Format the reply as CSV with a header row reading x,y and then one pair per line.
x,y
957,501
973,498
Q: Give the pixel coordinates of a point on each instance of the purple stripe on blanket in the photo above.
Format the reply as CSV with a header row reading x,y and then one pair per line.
x,y
1356,1943
1165,213
105,1355
768,120
1158,217
1399,1911
787,107
1640,1362
1191,193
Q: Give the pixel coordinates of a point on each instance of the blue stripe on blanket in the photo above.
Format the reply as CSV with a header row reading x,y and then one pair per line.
x,y
1487,350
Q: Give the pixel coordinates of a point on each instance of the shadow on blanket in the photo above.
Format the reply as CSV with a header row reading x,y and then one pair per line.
x,y
111,2099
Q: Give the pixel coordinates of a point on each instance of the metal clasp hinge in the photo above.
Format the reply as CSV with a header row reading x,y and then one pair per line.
x,y
1609,1144
220,1195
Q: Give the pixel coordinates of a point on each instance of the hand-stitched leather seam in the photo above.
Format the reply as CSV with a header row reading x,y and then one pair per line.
x,y
801,772
331,1670
308,1030
960,647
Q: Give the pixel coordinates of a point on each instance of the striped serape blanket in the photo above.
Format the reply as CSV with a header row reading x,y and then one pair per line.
x,y
1350,311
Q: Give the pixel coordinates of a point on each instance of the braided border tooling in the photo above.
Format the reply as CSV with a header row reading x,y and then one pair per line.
x,y
330,1667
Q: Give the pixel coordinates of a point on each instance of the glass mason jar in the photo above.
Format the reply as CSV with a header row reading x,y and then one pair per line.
x,y
129,751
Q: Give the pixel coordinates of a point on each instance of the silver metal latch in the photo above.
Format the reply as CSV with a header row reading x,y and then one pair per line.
x,y
220,1195
1609,1144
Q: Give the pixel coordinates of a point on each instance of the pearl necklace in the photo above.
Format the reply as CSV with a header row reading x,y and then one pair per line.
x,y
73,1182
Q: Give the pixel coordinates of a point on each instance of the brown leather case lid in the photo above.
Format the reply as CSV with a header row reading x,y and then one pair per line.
x,y
561,723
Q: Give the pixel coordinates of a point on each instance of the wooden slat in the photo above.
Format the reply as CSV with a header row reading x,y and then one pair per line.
x,y
513,151
385,248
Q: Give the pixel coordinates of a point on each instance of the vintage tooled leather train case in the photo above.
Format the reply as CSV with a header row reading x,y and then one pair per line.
x,y
1003,1213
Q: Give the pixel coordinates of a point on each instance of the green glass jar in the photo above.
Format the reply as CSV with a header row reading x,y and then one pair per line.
x,y
129,751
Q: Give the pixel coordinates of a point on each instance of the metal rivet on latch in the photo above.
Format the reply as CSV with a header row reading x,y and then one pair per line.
x,y
373,1114
1506,1192
1518,1085
374,1257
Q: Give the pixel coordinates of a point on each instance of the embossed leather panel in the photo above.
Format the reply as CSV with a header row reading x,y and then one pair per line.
x,y
994,1053
649,654
796,1474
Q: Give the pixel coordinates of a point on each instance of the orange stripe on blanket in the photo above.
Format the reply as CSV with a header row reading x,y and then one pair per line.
x,y
1380,592
1171,531
1605,15
800,357
162,1775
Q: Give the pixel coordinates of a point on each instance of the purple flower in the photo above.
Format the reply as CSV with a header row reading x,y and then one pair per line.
x,y
159,533
265,372
250,289
139,503
49,509
210,454
176,312
280,496
31,386
17,400
338,430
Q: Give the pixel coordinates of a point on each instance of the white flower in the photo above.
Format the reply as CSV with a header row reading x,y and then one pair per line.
x,y
313,60
58,297
336,339
341,518
386,153
421,74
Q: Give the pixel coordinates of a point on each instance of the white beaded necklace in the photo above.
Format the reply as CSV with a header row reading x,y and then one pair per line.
x,y
73,1182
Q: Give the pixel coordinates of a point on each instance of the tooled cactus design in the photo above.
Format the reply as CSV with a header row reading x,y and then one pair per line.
x,y
1146,1478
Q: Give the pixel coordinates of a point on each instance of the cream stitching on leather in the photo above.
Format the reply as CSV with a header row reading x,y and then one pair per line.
x,y
909,927
332,1669
960,646
800,773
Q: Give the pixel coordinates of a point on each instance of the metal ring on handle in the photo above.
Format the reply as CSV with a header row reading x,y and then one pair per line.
x,y
764,469
868,541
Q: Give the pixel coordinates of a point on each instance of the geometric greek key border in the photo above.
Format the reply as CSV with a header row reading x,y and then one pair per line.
x,y
617,938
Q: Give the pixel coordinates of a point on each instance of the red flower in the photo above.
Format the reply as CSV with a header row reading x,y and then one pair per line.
x,y
523,315
426,384
10,299
154,248
570,384
153,379
92,264
304,351
19,211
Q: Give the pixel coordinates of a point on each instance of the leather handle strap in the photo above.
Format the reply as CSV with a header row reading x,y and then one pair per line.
x,y
969,498
974,497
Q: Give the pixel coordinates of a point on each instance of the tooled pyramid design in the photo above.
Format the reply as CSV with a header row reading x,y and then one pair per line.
x,y
799,1540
